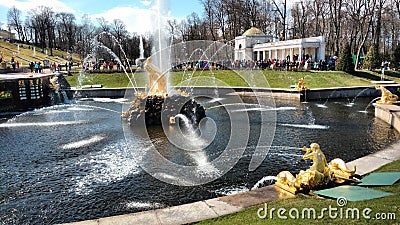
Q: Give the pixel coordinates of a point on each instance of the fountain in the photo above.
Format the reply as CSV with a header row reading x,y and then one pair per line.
x,y
139,61
156,105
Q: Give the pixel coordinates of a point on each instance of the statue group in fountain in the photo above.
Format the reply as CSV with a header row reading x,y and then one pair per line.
x,y
158,81
156,105
320,174
301,85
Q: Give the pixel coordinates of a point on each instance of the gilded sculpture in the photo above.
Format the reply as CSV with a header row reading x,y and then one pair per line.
x,y
318,175
387,97
301,86
158,80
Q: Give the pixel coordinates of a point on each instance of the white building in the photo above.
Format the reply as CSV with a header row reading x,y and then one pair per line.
x,y
255,45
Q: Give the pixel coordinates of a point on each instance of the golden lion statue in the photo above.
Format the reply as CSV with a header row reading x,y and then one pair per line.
x,y
387,96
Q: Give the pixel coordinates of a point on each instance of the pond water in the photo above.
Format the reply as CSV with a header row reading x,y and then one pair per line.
x,y
76,161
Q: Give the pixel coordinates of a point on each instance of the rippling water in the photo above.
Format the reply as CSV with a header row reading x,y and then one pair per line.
x,y
71,162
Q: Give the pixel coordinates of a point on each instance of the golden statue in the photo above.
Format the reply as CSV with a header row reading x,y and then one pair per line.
x,y
53,83
301,86
319,174
387,96
158,80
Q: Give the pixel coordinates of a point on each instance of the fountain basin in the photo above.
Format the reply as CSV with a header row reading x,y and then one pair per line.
x,y
77,154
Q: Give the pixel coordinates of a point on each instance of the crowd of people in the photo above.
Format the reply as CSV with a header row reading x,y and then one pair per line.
x,y
270,64
37,67
102,65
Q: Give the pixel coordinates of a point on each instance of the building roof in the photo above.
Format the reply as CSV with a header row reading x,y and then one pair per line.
x,y
253,31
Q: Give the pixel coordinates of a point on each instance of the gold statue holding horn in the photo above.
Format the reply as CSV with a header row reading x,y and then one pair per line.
x,y
319,174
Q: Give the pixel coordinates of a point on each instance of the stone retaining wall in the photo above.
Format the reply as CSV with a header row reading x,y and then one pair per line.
x,y
309,95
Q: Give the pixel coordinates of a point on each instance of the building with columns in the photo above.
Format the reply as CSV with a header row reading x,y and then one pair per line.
x,y
255,45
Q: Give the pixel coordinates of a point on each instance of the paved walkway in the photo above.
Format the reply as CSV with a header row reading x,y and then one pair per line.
x,y
213,208
21,75
369,163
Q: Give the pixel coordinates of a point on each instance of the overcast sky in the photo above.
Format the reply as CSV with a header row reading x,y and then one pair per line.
x,y
136,14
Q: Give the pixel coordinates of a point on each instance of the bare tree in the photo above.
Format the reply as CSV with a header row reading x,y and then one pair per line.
x,y
15,22
281,8
43,23
119,31
210,16
66,30
360,13
84,36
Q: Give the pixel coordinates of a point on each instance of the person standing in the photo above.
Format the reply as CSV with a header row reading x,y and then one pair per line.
x,y
31,66
36,67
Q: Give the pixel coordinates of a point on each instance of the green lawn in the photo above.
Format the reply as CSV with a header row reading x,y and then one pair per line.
x,y
388,205
273,79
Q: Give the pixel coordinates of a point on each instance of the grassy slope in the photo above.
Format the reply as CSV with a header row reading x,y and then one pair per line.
x,y
10,49
275,79
390,204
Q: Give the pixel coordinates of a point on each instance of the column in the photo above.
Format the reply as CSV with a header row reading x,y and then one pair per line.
x,y
284,54
300,53
291,54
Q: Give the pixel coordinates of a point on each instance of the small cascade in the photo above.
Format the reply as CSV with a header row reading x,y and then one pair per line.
x,y
65,98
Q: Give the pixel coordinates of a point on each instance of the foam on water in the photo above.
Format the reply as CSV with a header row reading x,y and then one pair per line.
x,y
231,190
75,108
42,124
305,126
322,106
215,100
173,179
262,109
52,112
84,142
143,205
110,100
263,180
109,165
